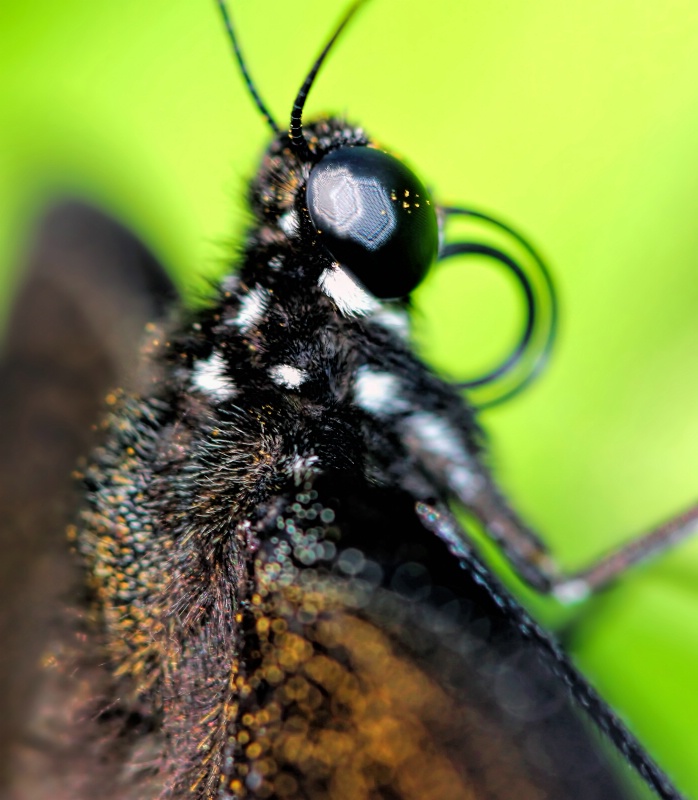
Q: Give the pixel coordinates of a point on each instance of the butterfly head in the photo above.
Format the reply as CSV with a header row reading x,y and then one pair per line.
x,y
351,204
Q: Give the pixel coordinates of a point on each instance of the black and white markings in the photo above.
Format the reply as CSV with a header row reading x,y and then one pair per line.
x,y
210,377
379,393
288,376
351,299
435,440
289,224
394,320
253,307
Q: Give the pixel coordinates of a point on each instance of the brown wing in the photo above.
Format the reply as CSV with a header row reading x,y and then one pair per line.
x,y
393,672
86,292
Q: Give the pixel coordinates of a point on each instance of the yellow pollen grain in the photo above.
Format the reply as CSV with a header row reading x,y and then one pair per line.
x,y
254,751
262,717
263,625
279,626
286,785
274,675
266,767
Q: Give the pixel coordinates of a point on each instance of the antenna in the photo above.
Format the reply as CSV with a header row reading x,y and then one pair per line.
x,y
296,128
227,19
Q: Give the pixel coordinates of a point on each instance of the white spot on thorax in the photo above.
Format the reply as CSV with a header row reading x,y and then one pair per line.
x,y
393,320
210,378
378,392
288,223
435,435
253,306
351,298
287,375
435,441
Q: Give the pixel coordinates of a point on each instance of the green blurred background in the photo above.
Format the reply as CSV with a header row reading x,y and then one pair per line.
x,y
577,122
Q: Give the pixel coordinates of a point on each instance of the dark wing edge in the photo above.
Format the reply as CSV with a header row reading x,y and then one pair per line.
x,y
85,294
549,653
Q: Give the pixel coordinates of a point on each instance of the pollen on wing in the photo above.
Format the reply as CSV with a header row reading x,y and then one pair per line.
x,y
379,392
253,306
351,299
288,376
209,376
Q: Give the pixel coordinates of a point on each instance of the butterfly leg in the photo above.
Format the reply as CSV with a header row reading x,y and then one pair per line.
x,y
534,564
615,562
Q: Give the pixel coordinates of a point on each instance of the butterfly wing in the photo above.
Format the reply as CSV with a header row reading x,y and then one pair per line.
x,y
86,292
389,670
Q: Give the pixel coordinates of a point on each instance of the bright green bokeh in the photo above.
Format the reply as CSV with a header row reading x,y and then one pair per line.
x,y
578,122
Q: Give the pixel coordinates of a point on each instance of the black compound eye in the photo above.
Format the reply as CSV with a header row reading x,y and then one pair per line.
x,y
375,218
